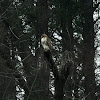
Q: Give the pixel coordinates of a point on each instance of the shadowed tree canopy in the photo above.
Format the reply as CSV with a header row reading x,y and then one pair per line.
x,y
68,71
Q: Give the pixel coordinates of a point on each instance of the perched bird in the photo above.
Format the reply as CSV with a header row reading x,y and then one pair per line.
x,y
46,43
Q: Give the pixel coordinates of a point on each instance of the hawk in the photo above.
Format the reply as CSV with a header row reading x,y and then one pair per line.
x,y
46,43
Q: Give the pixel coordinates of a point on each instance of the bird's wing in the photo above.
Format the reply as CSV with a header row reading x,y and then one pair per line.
x,y
49,43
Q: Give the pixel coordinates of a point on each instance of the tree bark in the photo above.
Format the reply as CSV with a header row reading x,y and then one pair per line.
x,y
66,25
42,7
59,77
59,93
88,50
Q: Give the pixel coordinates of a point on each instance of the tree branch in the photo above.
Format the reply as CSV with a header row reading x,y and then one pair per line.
x,y
9,27
52,66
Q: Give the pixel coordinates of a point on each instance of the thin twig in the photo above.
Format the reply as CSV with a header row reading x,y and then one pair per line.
x,y
13,33
6,10
32,85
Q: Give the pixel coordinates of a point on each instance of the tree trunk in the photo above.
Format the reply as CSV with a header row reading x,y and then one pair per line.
x,y
88,50
44,72
42,6
66,25
59,93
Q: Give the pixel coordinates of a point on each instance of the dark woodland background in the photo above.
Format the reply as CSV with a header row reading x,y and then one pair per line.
x,y
72,73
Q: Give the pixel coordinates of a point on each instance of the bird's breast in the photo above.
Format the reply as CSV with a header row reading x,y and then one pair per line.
x,y
44,44
43,40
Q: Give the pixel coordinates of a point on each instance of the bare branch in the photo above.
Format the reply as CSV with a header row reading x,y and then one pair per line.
x,y
13,33
6,10
9,27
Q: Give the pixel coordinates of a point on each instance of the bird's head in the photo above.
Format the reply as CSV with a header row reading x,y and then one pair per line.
x,y
43,36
